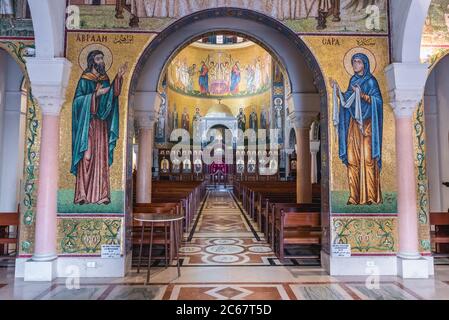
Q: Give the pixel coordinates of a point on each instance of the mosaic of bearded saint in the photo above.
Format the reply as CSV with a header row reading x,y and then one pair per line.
x,y
95,129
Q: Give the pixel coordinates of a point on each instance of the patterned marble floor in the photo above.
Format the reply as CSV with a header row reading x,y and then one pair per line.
x,y
224,235
225,284
219,263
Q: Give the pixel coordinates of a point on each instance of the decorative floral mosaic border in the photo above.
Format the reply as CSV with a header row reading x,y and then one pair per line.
x,y
422,180
366,234
85,236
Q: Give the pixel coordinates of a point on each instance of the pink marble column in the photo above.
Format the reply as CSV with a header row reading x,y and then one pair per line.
x,y
303,169
144,164
407,199
45,229
314,148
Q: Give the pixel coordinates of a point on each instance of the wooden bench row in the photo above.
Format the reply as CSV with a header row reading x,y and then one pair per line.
x,y
9,231
279,217
180,197
183,196
440,236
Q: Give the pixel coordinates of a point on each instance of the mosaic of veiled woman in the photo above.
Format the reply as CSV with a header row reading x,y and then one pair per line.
x,y
358,119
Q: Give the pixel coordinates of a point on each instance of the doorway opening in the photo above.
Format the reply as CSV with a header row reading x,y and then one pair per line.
x,y
14,97
436,111
234,65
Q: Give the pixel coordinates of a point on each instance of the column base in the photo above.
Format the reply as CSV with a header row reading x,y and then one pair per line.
x,y
359,265
413,268
420,268
63,267
40,270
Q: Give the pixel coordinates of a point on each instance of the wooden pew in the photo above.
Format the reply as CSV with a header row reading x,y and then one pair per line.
x,y
264,194
181,197
300,228
188,194
162,234
275,210
8,220
441,234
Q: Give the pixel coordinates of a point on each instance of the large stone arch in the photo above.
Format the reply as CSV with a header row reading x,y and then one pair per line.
x,y
13,80
407,23
306,83
48,24
301,68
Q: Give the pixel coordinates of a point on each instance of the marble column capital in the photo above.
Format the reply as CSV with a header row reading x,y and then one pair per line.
x,y
303,119
314,146
144,119
49,79
147,101
406,84
404,108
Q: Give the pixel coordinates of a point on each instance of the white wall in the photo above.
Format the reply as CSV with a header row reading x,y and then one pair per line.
x,y
436,104
10,135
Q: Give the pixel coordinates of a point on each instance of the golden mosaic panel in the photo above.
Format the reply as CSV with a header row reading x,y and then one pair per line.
x,y
331,52
124,48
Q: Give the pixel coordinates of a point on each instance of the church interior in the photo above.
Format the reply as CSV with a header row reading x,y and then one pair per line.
x,y
224,150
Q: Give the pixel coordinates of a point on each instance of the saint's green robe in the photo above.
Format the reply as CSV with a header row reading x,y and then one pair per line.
x,y
107,109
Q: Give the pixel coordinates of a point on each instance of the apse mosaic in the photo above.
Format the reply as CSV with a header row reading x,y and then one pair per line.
x,y
435,37
345,16
227,71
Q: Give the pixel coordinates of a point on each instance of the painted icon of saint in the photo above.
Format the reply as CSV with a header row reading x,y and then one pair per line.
x,y
235,78
263,119
241,120
203,79
165,165
185,120
95,130
253,119
358,119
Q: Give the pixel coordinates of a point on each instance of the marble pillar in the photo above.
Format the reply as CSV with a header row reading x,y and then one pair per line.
x,y
406,87
303,121
314,149
145,132
49,79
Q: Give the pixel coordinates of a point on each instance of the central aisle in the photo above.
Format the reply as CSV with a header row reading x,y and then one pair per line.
x,y
224,235
221,217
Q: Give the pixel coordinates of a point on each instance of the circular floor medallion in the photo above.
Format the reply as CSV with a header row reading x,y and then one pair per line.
x,y
225,258
224,241
224,249
259,249
189,249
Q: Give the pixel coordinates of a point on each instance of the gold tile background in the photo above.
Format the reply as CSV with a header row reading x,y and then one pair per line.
x,y
330,52
122,52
